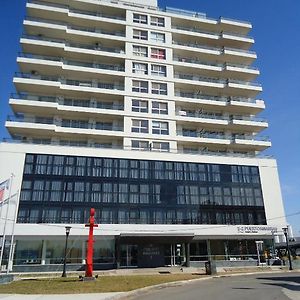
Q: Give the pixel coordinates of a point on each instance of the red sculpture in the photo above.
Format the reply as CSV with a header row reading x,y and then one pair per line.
x,y
90,245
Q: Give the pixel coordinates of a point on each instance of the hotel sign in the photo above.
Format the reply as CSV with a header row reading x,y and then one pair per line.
x,y
256,229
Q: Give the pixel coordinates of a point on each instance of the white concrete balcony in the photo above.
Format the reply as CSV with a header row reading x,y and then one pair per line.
x,y
230,104
42,45
227,39
34,104
193,19
203,138
96,142
210,68
234,142
250,142
52,65
49,127
220,54
219,121
214,85
52,85
75,33
61,12
206,120
247,124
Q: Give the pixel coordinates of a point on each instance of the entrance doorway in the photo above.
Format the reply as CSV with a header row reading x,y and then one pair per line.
x,y
129,254
174,254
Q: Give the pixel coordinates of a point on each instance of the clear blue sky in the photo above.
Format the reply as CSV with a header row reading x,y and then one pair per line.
x,y
276,26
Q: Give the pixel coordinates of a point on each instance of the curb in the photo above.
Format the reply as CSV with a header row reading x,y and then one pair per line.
x,y
141,291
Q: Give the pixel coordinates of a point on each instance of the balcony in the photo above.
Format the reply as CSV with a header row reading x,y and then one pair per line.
x,y
189,18
252,142
48,127
52,65
59,30
213,85
50,46
212,68
35,104
222,38
40,8
213,53
41,84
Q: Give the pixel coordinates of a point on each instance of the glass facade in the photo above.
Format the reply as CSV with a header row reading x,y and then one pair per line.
x,y
62,189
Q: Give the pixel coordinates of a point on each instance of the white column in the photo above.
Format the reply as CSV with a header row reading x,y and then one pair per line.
x,y
44,251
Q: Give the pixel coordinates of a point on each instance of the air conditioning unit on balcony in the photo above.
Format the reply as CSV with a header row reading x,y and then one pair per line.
x,y
85,84
182,113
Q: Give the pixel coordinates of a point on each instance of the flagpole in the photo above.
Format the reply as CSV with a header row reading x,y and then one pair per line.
x,y
10,256
5,223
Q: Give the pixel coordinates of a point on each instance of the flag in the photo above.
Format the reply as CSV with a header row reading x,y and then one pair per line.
x,y
3,187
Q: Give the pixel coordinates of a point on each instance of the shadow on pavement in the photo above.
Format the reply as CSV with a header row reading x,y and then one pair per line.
x,y
291,283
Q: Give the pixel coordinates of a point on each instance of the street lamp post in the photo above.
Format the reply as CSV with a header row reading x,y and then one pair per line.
x,y
68,229
285,232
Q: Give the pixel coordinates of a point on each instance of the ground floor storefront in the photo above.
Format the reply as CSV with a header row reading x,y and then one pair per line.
x,y
137,252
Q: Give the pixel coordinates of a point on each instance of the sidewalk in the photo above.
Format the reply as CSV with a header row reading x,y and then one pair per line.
x,y
103,296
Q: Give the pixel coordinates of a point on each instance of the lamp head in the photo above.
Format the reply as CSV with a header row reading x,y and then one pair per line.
x,y
285,230
68,229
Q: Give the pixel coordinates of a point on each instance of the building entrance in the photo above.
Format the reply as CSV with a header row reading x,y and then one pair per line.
x,y
129,255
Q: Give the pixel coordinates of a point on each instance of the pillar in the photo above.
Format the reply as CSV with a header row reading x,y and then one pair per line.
x,y
44,252
117,252
83,248
187,255
208,249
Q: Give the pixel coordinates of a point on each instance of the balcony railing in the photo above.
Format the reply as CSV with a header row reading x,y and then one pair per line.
x,y
83,12
213,34
96,46
214,80
198,15
199,115
70,124
75,63
69,102
199,134
90,84
79,28
218,49
183,113
207,63
194,95
120,147
231,137
252,138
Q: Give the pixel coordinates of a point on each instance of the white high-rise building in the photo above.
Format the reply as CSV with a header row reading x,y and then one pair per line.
x,y
148,115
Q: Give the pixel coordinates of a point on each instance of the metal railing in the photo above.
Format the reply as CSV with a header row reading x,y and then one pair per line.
x,y
207,63
217,49
96,47
199,134
90,84
196,95
74,63
214,34
69,102
214,80
183,113
84,12
124,148
74,27
67,124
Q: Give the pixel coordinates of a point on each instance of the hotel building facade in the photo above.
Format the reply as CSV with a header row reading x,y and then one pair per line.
x,y
149,116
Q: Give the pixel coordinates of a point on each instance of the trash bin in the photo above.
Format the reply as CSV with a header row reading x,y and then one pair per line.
x,y
210,267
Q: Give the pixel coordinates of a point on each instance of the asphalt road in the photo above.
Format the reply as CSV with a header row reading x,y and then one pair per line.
x,y
279,286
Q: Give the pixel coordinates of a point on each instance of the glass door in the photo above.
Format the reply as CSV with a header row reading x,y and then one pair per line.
x,y
129,255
